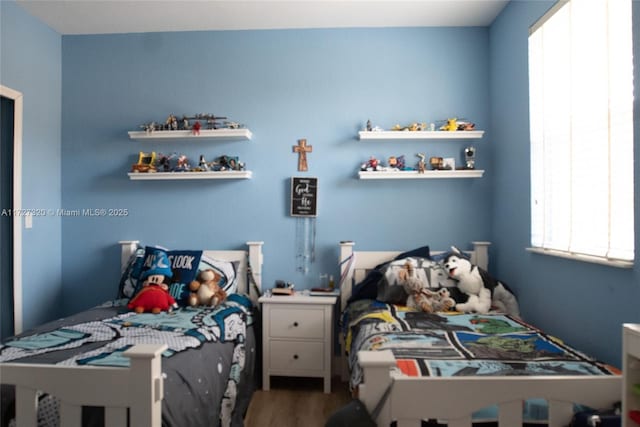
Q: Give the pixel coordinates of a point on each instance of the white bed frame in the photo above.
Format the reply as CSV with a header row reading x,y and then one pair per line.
x,y
454,399
138,388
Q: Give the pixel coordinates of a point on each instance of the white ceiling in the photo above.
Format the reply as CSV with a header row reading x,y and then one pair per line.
x,y
128,16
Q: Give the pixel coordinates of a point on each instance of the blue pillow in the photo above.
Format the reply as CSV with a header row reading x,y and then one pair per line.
x,y
184,267
368,287
131,273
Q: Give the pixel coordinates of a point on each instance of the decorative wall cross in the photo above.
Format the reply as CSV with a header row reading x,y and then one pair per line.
x,y
302,149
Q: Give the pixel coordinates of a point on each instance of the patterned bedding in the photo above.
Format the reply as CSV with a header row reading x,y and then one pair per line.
x,y
209,368
454,344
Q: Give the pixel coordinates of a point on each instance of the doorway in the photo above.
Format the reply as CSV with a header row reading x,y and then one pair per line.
x,y
7,108
10,203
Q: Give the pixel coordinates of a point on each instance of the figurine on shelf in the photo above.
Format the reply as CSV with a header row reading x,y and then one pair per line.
x,y
466,125
146,162
172,122
210,118
183,164
413,127
224,163
436,163
393,163
451,125
165,161
185,123
233,125
196,128
421,162
148,127
371,165
470,158
203,166
369,127
401,165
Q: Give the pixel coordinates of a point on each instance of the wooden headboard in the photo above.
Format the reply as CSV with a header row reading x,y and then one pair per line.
x,y
354,265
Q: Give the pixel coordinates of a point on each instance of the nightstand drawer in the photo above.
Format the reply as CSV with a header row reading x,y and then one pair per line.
x,y
304,322
296,356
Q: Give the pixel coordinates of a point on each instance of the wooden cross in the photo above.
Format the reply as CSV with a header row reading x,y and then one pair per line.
x,y
302,149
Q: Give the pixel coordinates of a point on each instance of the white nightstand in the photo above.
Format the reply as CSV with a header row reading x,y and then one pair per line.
x,y
297,337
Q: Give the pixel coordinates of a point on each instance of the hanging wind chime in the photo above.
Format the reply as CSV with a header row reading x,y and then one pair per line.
x,y
304,194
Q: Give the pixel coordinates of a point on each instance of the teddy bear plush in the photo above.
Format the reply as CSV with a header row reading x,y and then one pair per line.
x,y
205,289
483,291
422,298
154,295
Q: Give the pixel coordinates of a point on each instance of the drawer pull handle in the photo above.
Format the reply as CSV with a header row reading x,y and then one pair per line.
x,y
295,324
295,356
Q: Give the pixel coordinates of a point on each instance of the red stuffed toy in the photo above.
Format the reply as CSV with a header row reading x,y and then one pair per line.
x,y
154,296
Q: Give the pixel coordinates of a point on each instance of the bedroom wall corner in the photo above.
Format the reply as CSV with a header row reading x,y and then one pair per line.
x,y
30,62
549,288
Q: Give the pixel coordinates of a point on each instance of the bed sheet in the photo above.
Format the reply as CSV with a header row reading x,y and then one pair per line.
x,y
209,370
457,344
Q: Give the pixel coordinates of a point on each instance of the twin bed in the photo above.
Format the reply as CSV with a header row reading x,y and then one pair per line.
x,y
453,369
111,366
458,369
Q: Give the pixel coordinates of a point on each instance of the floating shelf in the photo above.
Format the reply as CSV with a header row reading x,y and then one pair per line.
x,y
205,134
430,174
390,135
154,176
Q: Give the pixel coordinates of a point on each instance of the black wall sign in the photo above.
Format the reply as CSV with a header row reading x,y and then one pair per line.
x,y
304,196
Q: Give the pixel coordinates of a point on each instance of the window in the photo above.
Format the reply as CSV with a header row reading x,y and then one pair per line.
x,y
581,125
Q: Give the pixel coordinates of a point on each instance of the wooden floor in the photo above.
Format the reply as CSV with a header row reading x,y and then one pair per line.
x,y
294,402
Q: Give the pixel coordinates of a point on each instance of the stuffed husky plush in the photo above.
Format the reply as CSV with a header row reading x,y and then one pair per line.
x,y
483,290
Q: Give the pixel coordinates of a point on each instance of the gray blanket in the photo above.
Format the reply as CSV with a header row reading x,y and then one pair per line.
x,y
209,374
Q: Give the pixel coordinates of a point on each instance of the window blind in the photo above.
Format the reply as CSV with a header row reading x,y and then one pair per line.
x,y
581,128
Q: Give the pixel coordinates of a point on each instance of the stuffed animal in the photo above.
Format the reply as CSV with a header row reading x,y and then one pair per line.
x,y
423,298
205,290
483,291
154,296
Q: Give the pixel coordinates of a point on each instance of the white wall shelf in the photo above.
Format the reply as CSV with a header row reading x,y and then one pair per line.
x,y
391,135
205,134
429,174
155,176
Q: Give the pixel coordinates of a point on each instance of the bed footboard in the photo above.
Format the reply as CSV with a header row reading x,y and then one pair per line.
x,y
455,399
138,388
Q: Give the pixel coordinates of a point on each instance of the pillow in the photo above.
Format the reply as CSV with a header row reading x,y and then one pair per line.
x,y
441,256
185,265
226,269
131,273
184,268
368,287
431,274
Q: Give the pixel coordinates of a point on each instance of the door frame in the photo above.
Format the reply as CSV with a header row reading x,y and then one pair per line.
x,y
17,205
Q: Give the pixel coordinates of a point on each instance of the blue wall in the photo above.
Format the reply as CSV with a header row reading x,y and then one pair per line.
x,y
583,303
284,85
31,63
